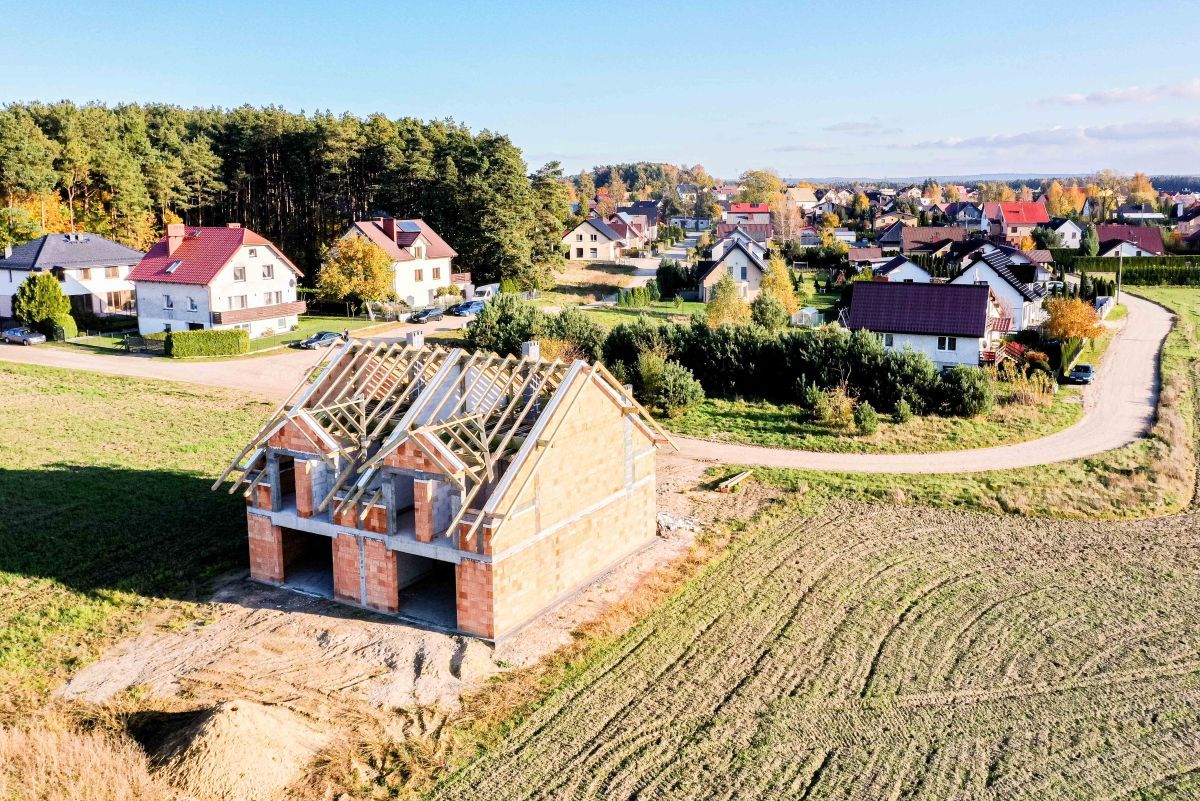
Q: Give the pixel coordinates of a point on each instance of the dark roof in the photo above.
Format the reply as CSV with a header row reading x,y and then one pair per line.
x,y
759,232
935,309
1019,276
1058,222
603,227
1146,237
891,233
649,208
69,250
200,256
706,267
893,263
407,231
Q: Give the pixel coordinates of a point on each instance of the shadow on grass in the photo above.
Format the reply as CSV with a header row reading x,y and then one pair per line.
x,y
151,532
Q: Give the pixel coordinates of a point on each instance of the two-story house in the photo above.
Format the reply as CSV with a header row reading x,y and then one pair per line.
x,y
593,240
1017,286
92,271
197,278
739,261
747,213
1014,220
422,261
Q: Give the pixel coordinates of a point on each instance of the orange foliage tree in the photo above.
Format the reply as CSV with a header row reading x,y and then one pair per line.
x,y
1071,318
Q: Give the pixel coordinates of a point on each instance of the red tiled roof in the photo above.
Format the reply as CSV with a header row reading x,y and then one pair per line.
x,y
399,249
749,208
1023,213
202,254
935,309
759,232
911,234
1147,237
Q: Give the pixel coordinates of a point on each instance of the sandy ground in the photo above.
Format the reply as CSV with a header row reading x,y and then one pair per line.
x,y
321,658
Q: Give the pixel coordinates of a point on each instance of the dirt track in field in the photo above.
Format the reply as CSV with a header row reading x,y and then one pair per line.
x,y
891,653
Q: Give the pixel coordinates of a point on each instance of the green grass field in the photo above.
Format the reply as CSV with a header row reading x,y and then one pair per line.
x,y
785,426
107,512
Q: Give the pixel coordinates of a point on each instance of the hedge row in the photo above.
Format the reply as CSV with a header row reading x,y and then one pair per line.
x,y
1148,270
212,342
59,328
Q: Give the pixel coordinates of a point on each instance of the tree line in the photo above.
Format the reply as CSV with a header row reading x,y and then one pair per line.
x,y
299,179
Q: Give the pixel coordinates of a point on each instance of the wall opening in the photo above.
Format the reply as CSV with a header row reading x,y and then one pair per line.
x,y
308,563
427,590
287,481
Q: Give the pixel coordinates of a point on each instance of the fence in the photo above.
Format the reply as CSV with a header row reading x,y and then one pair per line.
x,y
139,344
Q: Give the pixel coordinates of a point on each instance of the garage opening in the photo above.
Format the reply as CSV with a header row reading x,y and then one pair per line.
x,y
427,590
308,563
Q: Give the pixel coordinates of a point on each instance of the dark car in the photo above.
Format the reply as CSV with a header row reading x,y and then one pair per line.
x,y
321,339
426,315
1082,374
466,309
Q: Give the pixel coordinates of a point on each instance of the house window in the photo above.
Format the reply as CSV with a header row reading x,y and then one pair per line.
x,y
239,273
418,275
192,306
237,301
168,302
268,271
889,340
1012,229
437,273
594,237
593,253
743,272
578,237
252,253
85,273
109,272
281,322
947,343
418,251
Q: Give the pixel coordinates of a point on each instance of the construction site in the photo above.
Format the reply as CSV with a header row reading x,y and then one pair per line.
x,y
465,492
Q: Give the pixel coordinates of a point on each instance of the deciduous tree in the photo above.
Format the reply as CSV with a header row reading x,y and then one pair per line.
x,y
726,304
1068,318
777,282
356,270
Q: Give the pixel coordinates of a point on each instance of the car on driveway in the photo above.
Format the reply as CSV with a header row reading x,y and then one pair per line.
x,y
23,336
1082,374
426,315
466,309
321,339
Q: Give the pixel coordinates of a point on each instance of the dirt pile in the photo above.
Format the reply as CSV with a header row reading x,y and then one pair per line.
x,y
237,751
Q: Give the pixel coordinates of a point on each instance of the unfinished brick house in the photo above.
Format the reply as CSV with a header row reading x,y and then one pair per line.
x,y
464,491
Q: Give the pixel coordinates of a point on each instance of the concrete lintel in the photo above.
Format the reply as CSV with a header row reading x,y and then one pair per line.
x,y
431,550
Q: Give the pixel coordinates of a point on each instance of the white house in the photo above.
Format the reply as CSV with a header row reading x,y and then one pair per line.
x,y
211,277
1014,285
951,324
743,237
92,271
740,263
751,213
900,270
1067,229
422,261
593,240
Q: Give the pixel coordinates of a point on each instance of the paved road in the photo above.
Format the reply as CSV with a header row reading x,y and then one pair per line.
x,y
1118,408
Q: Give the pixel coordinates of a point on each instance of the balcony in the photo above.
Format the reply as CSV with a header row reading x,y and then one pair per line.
x,y
259,313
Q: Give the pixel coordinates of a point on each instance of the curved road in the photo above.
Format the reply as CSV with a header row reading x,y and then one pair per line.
x,y
1118,408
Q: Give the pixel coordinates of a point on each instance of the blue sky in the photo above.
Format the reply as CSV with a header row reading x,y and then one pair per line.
x,y
810,89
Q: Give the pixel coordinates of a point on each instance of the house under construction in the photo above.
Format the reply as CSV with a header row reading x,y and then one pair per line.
x,y
467,491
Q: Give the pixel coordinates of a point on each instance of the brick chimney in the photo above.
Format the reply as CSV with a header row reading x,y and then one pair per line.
x,y
175,234
389,227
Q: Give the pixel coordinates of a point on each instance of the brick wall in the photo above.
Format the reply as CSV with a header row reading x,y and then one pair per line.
x,y
347,580
423,510
379,565
266,549
291,437
410,456
304,487
473,589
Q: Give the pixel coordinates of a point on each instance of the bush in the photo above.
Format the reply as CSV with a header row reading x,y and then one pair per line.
x,y
666,385
509,286
59,327
840,411
213,342
904,412
506,322
573,326
816,402
39,297
866,419
966,392
767,311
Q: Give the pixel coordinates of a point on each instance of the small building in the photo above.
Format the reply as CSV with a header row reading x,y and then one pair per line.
x,y
197,278
1019,287
951,324
1014,220
740,263
808,317
92,271
423,262
748,213
1146,240
1140,214
594,240
463,491
901,270
1069,231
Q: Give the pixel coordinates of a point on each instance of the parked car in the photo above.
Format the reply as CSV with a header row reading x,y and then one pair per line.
x,y
321,339
466,309
24,336
426,315
1082,374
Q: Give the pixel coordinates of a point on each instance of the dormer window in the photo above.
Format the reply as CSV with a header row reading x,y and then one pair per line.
x,y
418,251
239,273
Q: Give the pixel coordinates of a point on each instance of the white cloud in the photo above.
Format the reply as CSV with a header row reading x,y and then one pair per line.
x,y
1168,130
803,148
861,128
1128,94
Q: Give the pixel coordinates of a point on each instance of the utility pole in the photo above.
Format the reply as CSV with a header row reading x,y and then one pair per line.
x,y
1120,265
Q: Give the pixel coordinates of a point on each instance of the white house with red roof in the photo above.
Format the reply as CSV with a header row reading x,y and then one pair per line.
x,y
1014,220
196,278
748,213
422,260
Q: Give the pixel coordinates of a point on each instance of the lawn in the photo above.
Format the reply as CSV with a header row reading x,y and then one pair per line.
x,y
785,426
588,283
108,518
871,652
610,316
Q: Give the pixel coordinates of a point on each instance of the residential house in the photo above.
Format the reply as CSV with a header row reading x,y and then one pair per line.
x,y
687,193
963,214
745,238
800,198
833,202
422,261
93,272
740,263
929,238
1015,285
759,231
1014,220
727,192
467,492
594,240
900,270
859,257
951,324
809,237
1146,240
1041,260
1067,229
631,229
886,219
1140,214
691,223
891,238
1187,223
197,278
645,208
750,213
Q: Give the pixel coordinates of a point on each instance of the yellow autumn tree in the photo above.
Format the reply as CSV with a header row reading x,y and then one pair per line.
x,y
777,283
1027,243
726,305
1058,202
1071,318
356,269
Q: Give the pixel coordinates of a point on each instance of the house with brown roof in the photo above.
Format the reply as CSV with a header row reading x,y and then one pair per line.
x,y
462,491
1130,240
201,277
929,238
422,261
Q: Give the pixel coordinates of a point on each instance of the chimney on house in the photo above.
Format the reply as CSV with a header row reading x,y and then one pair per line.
x,y
175,234
8,251
389,227
415,339
531,351
233,225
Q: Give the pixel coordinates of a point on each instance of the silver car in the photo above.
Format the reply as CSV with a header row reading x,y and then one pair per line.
x,y
23,336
